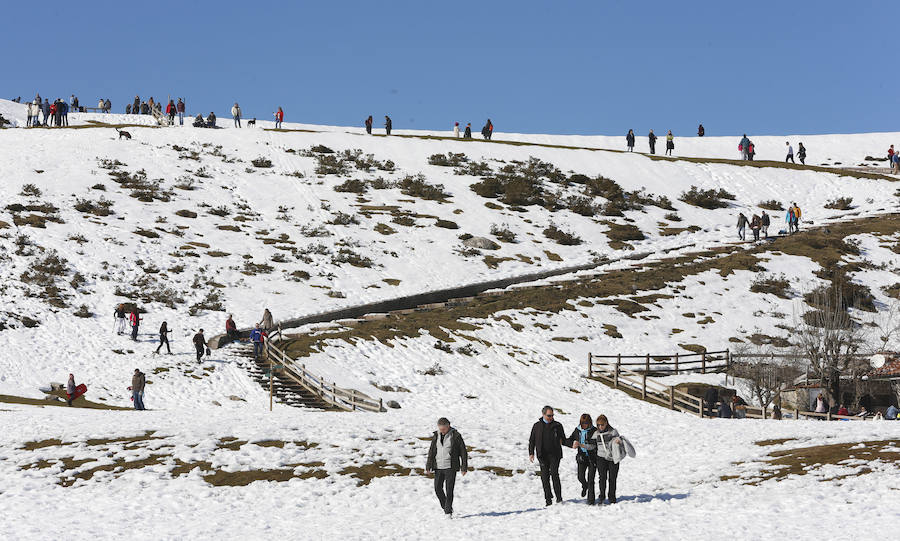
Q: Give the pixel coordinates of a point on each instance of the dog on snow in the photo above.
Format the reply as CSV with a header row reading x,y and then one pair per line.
x,y
123,133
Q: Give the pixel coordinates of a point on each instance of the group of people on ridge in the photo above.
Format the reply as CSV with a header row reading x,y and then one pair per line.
x,y
55,113
651,138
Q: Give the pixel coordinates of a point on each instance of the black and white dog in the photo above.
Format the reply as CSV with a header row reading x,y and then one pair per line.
x,y
123,133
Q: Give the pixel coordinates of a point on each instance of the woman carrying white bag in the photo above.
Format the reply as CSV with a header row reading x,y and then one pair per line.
x,y
611,449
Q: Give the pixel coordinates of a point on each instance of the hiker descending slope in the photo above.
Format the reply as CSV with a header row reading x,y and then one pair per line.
x,y
585,459
164,337
135,320
199,344
546,441
741,226
446,456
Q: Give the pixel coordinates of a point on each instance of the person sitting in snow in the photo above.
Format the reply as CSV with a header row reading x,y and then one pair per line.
x,y
231,329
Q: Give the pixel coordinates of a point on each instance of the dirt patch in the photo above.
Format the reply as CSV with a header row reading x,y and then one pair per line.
x,y
379,468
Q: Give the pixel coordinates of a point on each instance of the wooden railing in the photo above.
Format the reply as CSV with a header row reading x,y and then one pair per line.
x,y
652,390
345,399
665,365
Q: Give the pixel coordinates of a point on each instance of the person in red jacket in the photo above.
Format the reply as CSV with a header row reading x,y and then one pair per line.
x,y
231,329
52,113
170,111
279,118
135,320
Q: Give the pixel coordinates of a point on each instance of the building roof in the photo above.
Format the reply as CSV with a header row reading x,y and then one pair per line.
x,y
890,370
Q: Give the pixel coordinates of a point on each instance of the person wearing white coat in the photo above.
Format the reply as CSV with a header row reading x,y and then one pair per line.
x,y
33,111
456,130
236,115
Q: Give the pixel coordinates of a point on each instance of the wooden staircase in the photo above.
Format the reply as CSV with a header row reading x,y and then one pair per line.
x,y
285,390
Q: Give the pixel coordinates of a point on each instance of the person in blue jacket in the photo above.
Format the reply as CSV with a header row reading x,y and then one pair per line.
x,y
585,459
256,338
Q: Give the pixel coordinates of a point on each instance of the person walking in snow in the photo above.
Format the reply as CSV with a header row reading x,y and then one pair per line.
x,y
30,110
136,106
256,339
468,133
789,219
45,110
741,226
456,130
279,118
488,130
895,165
670,143
236,115
135,320
766,221
751,151
387,125
801,153
446,456
710,398
585,459
199,344
164,337
629,140
369,125
119,316
70,388
231,329
170,112
610,448
652,137
267,323
64,112
700,131
546,441
138,381
54,116
797,214
179,108
744,147
891,155
755,225
790,154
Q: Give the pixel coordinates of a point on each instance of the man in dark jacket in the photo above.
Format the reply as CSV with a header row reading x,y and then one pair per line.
x,y
652,138
710,398
446,456
387,125
200,344
700,131
546,441
137,389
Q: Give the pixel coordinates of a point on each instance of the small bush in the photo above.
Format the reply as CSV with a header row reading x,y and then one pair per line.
x,y
100,187
185,183
221,211
342,218
771,204
448,160
382,184
581,205
320,149
30,190
83,311
502,232
415,186
404,219
330,164
775,285
841,203
708,199
298,276
261,163
100,208
561,237
672,217
433,370
352,186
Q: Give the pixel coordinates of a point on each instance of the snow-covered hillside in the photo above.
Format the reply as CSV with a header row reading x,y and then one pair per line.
x,y
194,224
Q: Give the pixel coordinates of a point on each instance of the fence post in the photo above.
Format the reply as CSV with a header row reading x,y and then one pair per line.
x,y
796,414
828,415
699,406
271,385
703,363
333,394
676,364
590,365
727,361
380,405
647,364
644,386
671,397
618,362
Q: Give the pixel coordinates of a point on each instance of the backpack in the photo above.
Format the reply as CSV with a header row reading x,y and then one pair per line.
x,y
797,212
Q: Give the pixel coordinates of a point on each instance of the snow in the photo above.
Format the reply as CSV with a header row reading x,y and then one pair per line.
x,y
673,489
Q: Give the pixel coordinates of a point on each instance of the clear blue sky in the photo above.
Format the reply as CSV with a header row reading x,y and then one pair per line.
x,y
599,66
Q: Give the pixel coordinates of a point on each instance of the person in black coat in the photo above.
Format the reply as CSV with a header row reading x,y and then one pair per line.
x,y
547,437
468,133
387,125
652,138
164,337
700,131
724,410
199,344
710,399
629,140
585,459
369,125
446,456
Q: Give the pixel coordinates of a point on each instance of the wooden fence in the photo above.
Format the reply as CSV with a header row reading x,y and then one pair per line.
x,y
345,399
624,375
665,365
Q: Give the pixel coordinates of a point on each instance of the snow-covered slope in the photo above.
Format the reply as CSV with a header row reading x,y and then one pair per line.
x,y
207,232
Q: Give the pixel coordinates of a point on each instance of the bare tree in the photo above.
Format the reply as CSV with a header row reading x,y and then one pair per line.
x,y
829,337
765,371
885,328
